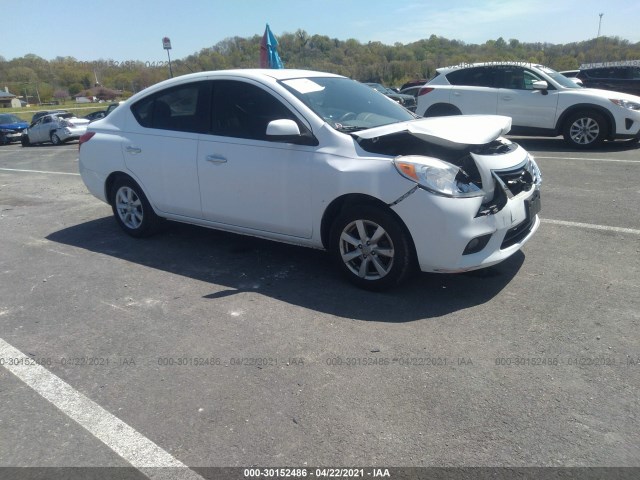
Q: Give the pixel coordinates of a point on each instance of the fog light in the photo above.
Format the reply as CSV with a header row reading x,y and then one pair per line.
x,y
477,244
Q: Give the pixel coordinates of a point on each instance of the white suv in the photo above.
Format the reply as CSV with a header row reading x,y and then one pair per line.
x,y
539,100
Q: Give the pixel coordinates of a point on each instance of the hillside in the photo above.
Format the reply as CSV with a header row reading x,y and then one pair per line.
x,y
63,77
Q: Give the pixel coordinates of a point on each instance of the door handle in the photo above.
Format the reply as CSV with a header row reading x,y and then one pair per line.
x,y
133,150
216,159
507,97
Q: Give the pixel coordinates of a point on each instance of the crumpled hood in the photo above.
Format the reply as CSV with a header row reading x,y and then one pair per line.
x,y
456,132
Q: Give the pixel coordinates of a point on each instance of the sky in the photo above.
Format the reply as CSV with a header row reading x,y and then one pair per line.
x,y
122,30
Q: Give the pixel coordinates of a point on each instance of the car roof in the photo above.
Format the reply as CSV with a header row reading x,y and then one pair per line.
x,y
259,74
445,70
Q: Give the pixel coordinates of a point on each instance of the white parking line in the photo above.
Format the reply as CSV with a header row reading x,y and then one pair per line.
x,y
591,226
36,171
612,160
135,448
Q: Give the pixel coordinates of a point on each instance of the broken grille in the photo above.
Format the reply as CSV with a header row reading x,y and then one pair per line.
x,y
517,180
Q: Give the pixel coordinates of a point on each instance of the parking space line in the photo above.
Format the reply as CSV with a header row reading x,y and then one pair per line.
x,y
37,171
591,226
612,160
135,448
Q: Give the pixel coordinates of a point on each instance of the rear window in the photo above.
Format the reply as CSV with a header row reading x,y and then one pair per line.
x,y
474,77
183,108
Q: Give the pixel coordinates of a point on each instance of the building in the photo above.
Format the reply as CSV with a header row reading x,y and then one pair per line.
x,y
9,100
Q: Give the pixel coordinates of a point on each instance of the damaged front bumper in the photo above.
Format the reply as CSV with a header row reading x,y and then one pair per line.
x,y
443,228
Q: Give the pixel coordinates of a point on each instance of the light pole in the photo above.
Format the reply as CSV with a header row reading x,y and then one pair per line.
x,y
600,24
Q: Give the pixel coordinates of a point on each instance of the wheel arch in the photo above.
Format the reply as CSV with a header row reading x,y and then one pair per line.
x,y
442,109
584,107
111,180
352,199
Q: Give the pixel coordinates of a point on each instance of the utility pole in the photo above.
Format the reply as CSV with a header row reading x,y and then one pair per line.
x,y
600,24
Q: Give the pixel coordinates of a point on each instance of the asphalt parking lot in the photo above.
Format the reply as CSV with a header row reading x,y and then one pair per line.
x,y
207,349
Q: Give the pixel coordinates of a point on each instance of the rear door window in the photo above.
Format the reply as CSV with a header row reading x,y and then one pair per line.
x,y
184,108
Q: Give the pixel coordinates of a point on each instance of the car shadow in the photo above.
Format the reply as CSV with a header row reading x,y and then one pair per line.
x,y
556,145
297,275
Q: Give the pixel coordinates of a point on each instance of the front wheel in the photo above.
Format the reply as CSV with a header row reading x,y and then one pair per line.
x,y
132,209
371,248
585,129
24,141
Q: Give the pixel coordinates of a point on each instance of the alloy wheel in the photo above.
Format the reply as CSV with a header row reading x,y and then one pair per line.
x,y
584,131
129,207
366,249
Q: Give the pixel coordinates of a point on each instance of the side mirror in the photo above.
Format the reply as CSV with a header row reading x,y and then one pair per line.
x,y
282,128
540,85
287,131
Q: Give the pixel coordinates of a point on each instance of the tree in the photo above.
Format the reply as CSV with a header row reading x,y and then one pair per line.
x,y
61,95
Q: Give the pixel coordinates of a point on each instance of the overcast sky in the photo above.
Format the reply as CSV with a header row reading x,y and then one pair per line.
x,y
123,30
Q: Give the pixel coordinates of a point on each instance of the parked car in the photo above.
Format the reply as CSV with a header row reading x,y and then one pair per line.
x,y
112,107
413,91
617,76
42,113
414,83
93,116
11,127
539,100
407,101
573,76
56,128
318,160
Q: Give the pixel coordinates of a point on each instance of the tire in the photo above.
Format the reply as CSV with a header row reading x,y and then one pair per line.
x,y
55,139
371,248
585,129
24,141
132,209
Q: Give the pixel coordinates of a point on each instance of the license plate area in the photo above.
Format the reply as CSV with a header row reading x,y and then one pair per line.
x,y
533,205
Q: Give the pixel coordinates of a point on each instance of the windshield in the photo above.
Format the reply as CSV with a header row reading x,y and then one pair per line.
x,y
559,78
345,104
6,119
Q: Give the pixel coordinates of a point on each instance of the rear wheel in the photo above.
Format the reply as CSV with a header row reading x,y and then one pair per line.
x,y
55,139
371,247
585,129
132,209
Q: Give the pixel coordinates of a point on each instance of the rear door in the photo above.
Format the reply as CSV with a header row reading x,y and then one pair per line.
x,y
161,148
474,91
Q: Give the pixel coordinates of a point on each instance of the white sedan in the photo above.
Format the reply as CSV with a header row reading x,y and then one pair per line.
x,y
318,160
56,128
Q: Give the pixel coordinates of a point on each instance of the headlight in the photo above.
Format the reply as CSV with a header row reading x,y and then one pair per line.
x,y
5,130
437,176
626,104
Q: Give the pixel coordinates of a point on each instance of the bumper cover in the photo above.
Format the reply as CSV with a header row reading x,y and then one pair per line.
x,y
442,227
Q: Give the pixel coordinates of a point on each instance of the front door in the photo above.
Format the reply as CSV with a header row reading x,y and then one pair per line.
x,y
246,179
